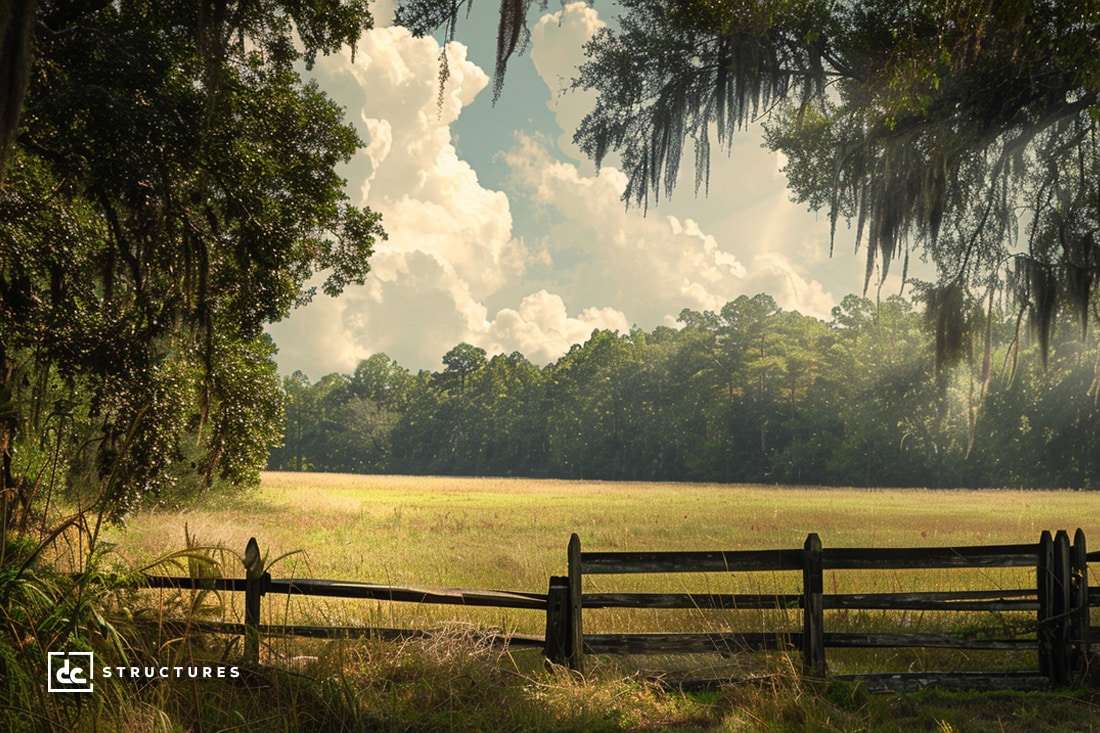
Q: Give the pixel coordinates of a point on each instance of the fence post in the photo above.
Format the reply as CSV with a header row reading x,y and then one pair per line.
x,y
253,590
1045,587
575,647
813,608
1079,619
558,613
1062,609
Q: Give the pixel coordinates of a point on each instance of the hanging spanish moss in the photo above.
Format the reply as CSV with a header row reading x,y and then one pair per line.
x,y
946,312
965,132
656,93
1037,292
512,28
422,17
1082,266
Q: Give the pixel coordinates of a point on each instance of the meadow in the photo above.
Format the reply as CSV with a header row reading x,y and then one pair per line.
x,y
511,534
492,532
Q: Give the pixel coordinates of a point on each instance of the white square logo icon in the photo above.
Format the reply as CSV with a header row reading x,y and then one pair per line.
x,y
70,671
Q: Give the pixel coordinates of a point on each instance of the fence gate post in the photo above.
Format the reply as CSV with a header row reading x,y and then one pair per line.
x,y
558,613
253,590
1063,589
813,608
575,647
1045,587
1079,618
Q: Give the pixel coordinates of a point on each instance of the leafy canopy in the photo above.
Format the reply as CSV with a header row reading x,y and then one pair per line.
x,y
170,190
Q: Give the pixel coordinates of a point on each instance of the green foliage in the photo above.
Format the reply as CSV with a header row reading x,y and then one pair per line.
x,y
45,609
167,188
171,190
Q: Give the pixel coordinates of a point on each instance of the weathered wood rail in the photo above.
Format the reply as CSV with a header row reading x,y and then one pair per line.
x,y
1059,601
261,584
1057,604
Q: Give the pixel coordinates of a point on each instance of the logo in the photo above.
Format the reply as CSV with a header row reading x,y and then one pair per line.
x,y
70,671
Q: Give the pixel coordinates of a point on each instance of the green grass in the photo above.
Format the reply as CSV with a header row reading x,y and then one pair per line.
x,y
512,535
513,532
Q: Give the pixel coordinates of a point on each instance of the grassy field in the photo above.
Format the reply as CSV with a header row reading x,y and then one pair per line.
x,y
513,532
512,535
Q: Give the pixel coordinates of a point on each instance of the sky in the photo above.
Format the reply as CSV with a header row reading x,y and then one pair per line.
x,y
501,234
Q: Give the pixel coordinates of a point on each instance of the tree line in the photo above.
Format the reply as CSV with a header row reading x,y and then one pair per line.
x,y
751,393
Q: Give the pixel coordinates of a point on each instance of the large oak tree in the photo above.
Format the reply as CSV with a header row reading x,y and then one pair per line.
x,y
169,189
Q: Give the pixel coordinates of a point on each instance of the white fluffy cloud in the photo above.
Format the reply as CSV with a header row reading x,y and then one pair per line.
x,y
648,267
450,247
542,329
556,43
449,238
454,269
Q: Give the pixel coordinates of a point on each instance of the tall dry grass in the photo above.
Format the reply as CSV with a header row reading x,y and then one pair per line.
x,y
511,534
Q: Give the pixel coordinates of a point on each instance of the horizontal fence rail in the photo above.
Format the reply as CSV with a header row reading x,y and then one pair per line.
x,y
1059,604
736,561
354,591
930,558
340,632
359,591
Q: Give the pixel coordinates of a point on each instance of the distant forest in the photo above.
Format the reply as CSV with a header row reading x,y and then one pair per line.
x,y
751,393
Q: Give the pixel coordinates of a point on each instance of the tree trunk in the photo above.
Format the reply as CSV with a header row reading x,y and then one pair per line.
x,y
16,41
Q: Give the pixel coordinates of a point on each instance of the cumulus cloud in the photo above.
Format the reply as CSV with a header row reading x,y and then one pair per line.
x,y
648,267
451,247
542,329
450,239
454,269
382,11
557,42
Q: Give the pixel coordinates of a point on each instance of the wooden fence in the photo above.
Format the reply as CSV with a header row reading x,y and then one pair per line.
x,y
258,583
1059,602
